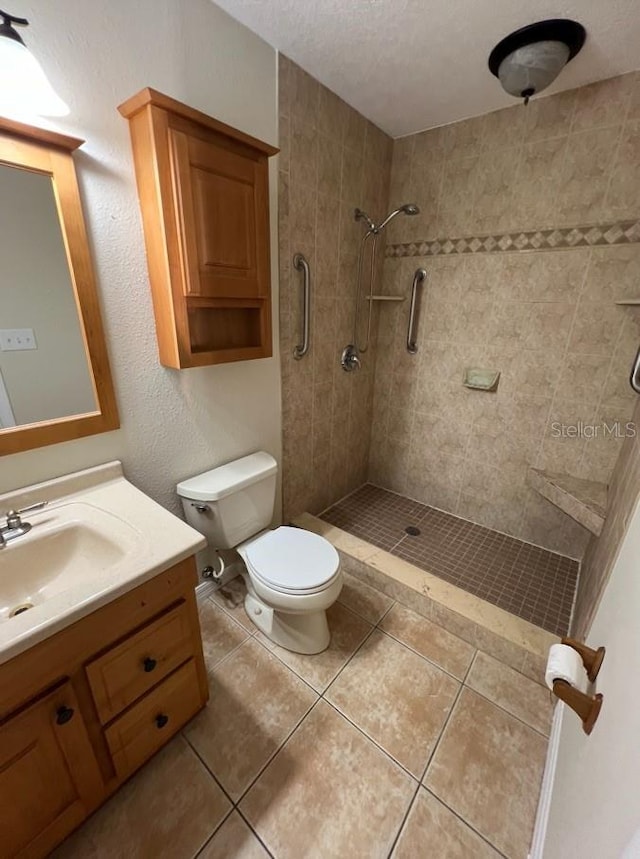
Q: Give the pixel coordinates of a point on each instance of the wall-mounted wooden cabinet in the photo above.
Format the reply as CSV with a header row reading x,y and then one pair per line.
x,y
204,195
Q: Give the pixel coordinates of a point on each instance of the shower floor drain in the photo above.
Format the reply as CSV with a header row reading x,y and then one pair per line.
x,y
412,531
19,609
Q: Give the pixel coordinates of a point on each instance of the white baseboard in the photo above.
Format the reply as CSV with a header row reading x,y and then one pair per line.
x,y
544,803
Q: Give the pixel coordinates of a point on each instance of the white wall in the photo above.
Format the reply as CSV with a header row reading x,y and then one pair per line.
x,y
53,380
595,807
97,54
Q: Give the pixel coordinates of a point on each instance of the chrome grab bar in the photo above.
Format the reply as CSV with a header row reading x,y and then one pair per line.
x,y
418,278
301,264
634,378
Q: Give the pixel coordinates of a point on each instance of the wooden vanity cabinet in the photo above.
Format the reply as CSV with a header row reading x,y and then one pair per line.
x,y
204,195
83,710
49,776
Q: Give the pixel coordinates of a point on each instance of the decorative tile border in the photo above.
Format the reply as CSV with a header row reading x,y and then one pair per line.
x,y
617,233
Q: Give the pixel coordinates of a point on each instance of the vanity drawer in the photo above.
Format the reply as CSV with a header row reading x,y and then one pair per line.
x,y
128,670
140,732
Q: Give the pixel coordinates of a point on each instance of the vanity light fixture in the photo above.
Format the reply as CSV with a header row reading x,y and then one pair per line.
x,y
24,88
529,59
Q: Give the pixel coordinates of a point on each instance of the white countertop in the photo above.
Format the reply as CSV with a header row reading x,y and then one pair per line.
x,y
161,540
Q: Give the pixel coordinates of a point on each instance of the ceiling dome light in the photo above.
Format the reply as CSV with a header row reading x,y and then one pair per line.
x,y
531,58
24,88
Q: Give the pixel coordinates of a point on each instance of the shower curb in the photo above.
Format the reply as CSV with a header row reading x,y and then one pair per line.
x,y
506,637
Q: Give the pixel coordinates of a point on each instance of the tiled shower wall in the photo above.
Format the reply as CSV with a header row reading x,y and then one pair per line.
x,y
602,551
332,160
546,319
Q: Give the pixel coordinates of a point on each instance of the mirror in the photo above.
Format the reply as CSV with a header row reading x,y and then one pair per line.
x,y
55,382
44,370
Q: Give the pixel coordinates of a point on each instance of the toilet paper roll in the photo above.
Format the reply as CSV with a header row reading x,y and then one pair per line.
x,y
564,663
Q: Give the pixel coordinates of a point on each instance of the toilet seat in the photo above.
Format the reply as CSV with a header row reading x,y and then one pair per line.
x,y
292,560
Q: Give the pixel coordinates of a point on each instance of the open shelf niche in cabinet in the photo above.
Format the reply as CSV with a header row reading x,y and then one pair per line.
x,y
204,195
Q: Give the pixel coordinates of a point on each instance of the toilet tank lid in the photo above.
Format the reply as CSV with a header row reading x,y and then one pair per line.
x,y
225,479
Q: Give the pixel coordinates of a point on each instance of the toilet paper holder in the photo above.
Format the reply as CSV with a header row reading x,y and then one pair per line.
x,y
586,706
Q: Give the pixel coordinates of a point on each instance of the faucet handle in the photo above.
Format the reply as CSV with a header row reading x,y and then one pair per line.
x,y
13,516
37,506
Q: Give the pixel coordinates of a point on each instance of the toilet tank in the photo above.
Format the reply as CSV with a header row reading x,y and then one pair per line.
x,y
233,502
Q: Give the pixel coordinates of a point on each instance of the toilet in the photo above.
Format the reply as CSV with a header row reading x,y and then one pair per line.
x,y
292,575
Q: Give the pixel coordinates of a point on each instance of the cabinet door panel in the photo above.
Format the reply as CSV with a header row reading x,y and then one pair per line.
x,y
223,212
49,778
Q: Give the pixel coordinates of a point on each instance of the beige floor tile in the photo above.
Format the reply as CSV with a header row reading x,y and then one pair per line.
x,y
231,599
365,601
329,793
172,800
398,698
348,631
512,691
220,634
432,830
234,840
488,768
255,703
427,638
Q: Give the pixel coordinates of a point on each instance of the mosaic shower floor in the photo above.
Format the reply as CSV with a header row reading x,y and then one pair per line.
x,y
533,583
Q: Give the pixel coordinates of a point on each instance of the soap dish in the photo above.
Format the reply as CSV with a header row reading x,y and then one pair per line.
x,y
481,380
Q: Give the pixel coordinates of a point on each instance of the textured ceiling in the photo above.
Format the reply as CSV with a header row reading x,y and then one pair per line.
x,y
413,64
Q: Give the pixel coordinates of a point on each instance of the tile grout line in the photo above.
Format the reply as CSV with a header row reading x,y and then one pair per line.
x,y
433,754
424,772
466,822
227,656
403,821
255,832
367,736
276,752
208,769
504,710
209,838
422,782
422,656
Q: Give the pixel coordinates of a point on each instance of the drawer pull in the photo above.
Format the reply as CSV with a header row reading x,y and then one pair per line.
x,y
149,664
161,720
64,715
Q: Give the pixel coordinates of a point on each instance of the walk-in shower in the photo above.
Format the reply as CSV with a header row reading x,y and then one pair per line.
x,y
350,359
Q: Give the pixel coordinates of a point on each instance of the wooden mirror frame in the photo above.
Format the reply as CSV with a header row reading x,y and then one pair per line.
x,y
42,151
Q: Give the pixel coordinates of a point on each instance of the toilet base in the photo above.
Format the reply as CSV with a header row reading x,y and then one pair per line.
x,y
307,632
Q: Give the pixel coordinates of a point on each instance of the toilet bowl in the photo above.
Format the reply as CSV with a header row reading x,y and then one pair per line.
x,y
292,575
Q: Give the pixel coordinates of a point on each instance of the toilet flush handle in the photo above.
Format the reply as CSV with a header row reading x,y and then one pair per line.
x,y
201,508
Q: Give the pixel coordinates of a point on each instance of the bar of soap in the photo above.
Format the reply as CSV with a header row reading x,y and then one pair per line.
x,y
481,380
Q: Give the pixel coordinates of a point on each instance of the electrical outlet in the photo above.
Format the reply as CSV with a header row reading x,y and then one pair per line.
x,y
17,339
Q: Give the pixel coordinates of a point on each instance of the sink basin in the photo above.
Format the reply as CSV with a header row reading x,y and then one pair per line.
x,y
98,538
66,545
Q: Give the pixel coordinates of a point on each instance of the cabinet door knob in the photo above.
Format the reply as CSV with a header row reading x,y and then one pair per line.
x,y
149,664
161,720
64,715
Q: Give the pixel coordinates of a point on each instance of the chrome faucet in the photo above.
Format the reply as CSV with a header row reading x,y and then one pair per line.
x,y
15,527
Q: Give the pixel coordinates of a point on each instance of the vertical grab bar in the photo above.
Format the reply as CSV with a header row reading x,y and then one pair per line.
x,y
418,278
634,378
301,264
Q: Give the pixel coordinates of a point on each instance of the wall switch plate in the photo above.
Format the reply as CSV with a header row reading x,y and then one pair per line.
x,y
17,339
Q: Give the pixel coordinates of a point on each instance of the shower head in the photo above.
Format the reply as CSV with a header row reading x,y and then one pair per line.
x,y
406,209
